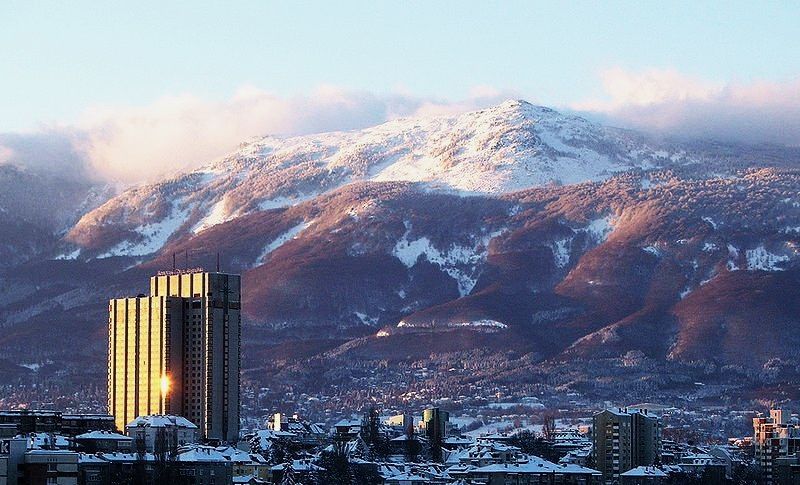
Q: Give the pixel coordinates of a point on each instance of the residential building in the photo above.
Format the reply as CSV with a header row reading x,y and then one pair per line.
x,y
774,437
642,475
624,440
161,433
49,466
27,421
102,441
177,352
435,424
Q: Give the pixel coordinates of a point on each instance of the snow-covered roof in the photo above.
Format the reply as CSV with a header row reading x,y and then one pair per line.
x,y
299,465
199,453
103,435
644,471
235,455
161,421
347,423
126,457
536,465
46,440
39,451
90,458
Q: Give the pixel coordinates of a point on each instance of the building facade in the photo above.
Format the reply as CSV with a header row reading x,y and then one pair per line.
x,y
624,440
773,438
171,431
176,351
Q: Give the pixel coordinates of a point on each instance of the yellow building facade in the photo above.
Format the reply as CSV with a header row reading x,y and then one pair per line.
x,y
176,351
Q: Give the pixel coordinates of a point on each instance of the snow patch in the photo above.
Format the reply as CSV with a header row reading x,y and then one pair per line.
x,y
710,221
480,323
281,240
72,255
217,215
484,323
733,256
153,236
458,261
710,247
759,259
600,228
652,250
366,319
561,252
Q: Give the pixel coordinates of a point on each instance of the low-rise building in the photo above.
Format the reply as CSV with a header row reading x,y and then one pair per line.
x,y
161,432
643,475
102,441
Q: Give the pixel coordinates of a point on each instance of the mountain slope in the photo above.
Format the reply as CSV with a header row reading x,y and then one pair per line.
x,y
505,148
441,239
586,270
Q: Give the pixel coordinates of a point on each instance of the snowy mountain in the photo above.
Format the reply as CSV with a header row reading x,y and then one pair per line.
x,y
514,228
498,150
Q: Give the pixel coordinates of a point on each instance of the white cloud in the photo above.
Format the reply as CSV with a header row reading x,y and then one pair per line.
x,y
667,101
136,144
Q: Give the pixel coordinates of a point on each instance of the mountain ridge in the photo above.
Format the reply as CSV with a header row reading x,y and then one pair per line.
x,y
343,265
497,150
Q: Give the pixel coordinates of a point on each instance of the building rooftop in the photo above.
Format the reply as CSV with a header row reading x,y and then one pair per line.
x,y
644,471
103,435
161,421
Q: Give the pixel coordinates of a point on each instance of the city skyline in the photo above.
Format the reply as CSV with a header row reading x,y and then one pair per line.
x,y
456,243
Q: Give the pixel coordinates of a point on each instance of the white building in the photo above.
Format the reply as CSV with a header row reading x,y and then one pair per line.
x,y
162,431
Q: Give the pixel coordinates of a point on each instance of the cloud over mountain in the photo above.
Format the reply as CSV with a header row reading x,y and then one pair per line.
x,y
136,144
667,101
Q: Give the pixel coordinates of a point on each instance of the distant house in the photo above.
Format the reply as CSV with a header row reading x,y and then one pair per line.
x,y
103,441
642,475
162,431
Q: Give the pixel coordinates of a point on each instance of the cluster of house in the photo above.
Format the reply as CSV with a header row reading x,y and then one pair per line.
x,y
621,447
155,449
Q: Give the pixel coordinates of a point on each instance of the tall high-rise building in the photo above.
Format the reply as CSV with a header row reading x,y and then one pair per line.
x,y
176,352
624,440
774,437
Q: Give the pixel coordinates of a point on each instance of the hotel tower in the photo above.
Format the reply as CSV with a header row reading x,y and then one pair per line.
x,y
176,351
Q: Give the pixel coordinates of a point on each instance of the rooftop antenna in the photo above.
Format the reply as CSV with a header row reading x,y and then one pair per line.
x,y
186,256
217,261
173,261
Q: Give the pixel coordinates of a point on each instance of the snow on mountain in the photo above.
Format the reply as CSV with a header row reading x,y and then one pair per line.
x,y
281,240
763,260
509,147
458,261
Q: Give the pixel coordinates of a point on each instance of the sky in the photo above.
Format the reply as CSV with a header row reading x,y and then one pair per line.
x,y
112,77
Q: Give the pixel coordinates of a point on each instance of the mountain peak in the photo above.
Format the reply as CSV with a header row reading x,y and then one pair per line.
x,y
512,146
